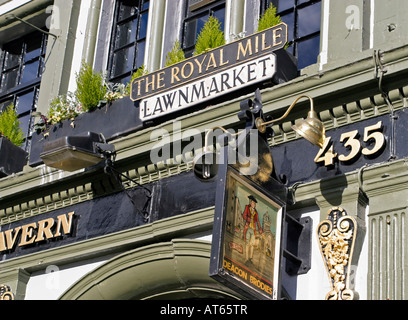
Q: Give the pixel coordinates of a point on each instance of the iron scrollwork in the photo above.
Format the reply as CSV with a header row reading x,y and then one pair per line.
x,y
337,236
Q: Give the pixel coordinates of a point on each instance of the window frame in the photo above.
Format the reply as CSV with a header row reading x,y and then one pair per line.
x,y
189,16
134,42
297,38
13,94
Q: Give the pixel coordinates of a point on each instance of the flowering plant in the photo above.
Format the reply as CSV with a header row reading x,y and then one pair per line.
x,y
114,91
63,107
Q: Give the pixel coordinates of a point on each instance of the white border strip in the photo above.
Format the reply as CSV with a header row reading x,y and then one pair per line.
x,y
11,5
325,34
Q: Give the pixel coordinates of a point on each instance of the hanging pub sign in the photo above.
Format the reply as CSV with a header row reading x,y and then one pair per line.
x,y
247,237
242,63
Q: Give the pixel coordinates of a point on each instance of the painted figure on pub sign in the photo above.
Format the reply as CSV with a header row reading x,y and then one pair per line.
x,y
252,230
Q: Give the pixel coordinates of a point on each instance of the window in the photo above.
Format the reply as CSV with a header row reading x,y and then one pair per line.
x,y
22,63
303,20
128,40
195,18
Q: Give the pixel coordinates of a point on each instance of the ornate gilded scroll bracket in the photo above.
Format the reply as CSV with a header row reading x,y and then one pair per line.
x,y
337,236
5,293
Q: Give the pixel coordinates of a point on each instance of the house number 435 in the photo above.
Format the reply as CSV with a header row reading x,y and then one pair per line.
x,y
351,141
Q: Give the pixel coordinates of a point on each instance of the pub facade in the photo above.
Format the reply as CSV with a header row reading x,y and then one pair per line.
x,y
120,203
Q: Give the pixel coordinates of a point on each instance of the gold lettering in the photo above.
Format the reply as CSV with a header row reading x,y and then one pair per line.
x,y
44,228
222,63
235,269
245,50
11,241
27,234
174,74
277,36
184,68
2,242
65,223
261,285
256,44
150,84
160,80
264,43
9,238
139,85
200,65
211,62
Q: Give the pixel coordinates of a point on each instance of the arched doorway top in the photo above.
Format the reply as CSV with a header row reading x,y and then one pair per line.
x,y
171,270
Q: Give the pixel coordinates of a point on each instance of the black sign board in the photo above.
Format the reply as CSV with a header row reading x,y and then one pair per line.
x,y
347,149
247,236
201,78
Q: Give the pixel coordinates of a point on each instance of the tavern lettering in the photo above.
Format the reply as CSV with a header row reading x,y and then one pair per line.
x,y
36,232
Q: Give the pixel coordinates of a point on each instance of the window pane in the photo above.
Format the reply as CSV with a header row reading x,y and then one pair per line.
x,y
143,26
4,105
289,19
25,102
190,34
308,52
9,80
125,80
220,15
30,72
126,33
123,61
25,124
140,54
33,49
309,19
285,5
145,5
127,9
12,57
200,24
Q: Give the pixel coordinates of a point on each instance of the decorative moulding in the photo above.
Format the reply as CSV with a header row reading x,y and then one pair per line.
x,y
337,236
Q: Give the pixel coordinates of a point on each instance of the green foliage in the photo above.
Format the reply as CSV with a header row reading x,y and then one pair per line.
x,y
10,126
139,72
210,37
91,87
269,19
176,54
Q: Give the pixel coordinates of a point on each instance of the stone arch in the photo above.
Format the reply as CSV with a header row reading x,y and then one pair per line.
x,y
174,270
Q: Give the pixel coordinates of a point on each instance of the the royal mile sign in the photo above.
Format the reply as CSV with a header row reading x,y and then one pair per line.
x,y
242,63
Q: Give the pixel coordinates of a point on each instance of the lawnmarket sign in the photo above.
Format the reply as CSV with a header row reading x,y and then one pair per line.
x,y
242,63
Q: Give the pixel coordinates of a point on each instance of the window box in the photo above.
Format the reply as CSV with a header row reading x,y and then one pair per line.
x,y
12,158
119,118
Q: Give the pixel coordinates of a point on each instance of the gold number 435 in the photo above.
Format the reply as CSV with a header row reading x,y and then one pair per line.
x,y
351,141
